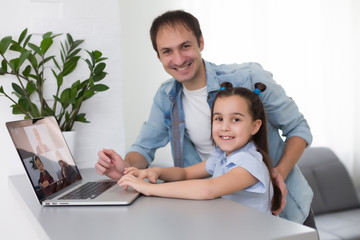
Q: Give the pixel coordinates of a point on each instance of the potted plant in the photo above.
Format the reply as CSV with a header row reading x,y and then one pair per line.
x,y
29,65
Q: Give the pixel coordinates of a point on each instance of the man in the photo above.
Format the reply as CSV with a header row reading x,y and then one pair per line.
x,y
181,113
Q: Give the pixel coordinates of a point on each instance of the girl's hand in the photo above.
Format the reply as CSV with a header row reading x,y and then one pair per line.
x,y
151,173
136,183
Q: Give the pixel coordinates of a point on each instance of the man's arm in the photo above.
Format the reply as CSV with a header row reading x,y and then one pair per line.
x,y
294,148
135,159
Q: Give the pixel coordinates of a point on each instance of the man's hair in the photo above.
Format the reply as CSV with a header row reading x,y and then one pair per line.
x,y
172,19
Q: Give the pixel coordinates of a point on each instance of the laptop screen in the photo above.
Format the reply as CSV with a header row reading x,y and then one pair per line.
x,y
44,154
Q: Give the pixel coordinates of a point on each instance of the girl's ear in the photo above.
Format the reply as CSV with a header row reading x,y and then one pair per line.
x,y
256,126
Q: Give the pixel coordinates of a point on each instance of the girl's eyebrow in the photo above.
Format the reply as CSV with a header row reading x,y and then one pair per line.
x,y
234,113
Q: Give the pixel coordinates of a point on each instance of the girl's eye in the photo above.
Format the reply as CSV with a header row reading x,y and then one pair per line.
x,y
218,119
236,119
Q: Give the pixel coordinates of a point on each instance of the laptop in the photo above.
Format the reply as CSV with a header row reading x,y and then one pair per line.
x,y
52,171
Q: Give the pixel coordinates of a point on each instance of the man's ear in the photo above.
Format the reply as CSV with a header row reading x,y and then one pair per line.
x,y
202,43
256,126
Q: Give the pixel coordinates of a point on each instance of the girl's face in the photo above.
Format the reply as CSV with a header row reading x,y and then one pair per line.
x,y
233,125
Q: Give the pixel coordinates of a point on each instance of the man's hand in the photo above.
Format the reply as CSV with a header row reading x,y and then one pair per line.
x,y
110,164
281,184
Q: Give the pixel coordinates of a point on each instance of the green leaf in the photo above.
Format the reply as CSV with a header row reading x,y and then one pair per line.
x,y
14,63
18,89
89,63
23,57
2,90
97,54
100,88
46,60
4,44
47,35
56,64
29,87
35,48
33,61
34,77
70,65
76,44
74,53
45,44
69,38
74,89
100,59
4,65
88,94
56,35
99,76
16,110
27,40
16,47
81,118
65,95
59,78
27,71
99,68
34,111
22,36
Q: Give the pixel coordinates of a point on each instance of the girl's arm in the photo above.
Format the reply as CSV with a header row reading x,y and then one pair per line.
x,y
170,174
233,181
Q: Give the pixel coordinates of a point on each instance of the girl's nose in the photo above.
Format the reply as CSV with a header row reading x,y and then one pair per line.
x,y
225,126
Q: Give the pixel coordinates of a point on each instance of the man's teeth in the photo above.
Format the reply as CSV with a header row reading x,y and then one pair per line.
x,y
183,68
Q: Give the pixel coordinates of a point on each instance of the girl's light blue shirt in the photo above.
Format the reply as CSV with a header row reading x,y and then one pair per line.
x,y
258,196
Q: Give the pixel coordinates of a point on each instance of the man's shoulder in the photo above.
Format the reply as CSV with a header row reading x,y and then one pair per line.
x,y
229,68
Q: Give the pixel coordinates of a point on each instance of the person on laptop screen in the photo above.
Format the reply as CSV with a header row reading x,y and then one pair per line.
x,y
45,179
41,147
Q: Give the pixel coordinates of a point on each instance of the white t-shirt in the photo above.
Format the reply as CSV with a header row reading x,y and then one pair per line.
x,y
197,120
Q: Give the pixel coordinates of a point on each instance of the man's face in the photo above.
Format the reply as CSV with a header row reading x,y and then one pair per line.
x,y
180,54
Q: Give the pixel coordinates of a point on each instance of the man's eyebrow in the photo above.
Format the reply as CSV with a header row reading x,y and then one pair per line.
x,y
181,44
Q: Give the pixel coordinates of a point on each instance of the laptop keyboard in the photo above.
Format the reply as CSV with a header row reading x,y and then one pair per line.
x,y
89,190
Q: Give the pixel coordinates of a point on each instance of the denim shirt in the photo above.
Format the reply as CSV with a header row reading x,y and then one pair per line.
x,y
166,124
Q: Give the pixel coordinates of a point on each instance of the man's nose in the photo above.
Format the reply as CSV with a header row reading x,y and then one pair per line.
x,y
179,58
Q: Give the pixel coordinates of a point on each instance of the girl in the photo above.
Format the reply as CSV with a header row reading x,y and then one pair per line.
x,y
239,165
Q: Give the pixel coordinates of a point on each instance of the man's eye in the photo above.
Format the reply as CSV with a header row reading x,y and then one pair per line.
x,y
186,46
166,52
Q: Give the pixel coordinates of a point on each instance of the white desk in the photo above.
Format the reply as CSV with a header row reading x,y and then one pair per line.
x,y
154,218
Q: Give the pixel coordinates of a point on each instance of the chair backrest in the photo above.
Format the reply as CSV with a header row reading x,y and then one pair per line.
x,y
331,183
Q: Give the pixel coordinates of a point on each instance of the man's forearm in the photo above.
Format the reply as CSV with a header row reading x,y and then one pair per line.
x,y
294,148
135,159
